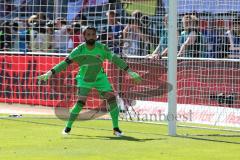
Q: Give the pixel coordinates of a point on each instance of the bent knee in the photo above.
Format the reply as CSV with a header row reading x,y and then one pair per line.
x,y
82,100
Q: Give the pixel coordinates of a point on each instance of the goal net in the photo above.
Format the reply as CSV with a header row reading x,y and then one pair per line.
x,y
36,35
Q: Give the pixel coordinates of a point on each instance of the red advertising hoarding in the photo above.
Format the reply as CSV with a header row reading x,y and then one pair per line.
x,y
199,82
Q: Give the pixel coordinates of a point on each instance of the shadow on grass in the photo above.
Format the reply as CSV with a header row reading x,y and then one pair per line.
x,y
217,135
126,138
26,120
200,137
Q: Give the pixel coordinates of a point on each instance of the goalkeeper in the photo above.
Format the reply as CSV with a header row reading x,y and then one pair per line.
x,y
90,56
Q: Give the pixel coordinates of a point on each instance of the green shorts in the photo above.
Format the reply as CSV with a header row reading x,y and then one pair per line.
x,y
102,84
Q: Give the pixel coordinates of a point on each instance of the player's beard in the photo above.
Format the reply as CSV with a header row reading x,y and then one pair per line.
x,y
90,42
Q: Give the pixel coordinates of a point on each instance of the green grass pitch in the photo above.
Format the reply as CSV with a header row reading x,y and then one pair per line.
x,y
29,138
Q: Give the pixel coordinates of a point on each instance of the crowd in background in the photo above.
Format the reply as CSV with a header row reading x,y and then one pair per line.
x,y
133,36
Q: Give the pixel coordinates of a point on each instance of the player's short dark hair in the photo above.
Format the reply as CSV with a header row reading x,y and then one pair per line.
x,y
89,28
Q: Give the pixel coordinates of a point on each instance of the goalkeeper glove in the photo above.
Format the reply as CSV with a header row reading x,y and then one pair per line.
x,y
135,76
45,76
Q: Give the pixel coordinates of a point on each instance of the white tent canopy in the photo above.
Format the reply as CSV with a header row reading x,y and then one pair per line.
x,y
212,6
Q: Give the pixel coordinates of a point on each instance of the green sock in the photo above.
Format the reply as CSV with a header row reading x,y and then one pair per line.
x,y
114,112
74,113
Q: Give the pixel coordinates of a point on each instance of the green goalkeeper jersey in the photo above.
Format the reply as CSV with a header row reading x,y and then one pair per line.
x,y
90,61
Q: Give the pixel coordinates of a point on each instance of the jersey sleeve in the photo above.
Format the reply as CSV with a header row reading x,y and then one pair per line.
x,y
115,59
68,60
108,53
73,55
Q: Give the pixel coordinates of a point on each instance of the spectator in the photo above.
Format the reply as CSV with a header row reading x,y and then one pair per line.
x,y
160,9
82,20
42,17
134,37
40,38
113,32
216,39
42,41
76,36
60,35
190,38
14,33
147,32
162,49
32,19
6,38
233,36
116,5
22,37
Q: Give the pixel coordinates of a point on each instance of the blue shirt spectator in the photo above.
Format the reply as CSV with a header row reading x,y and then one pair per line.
x,y
191,42
161,49
112,32
136,39
216,41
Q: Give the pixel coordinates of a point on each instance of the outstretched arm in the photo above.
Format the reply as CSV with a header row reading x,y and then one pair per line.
x,y
56,69
122,65
60,66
